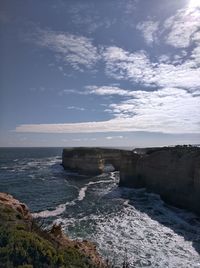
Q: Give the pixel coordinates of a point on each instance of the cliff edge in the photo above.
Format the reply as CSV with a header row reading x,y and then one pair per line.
x,y
24,244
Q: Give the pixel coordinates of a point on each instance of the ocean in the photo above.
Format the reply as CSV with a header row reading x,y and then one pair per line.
x,y
122,222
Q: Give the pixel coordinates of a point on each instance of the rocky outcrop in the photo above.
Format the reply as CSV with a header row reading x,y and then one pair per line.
x,y
90,160
14,204
24,244
174,173
86,247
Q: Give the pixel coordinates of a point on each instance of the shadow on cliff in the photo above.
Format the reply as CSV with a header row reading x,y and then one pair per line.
x,y
182,222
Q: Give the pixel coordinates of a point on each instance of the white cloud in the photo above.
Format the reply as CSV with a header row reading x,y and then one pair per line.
x,y
193,4
169,103
86,15
69,91
114,137
122,64
149,30
109,138
196,55
78,51
164,59
165,106
129,6
76,108
168,110
76,140
138,68
182,26
108,90
84,139
65,140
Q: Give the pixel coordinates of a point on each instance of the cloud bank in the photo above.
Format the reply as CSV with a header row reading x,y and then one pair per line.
x,y
169,110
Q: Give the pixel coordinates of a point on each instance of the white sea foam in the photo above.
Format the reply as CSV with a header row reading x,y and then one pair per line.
x,y
53,213
162,240
24,165
83,190
50,213
97,182
145,241
62,207
112,175
4,167
81,194
41,162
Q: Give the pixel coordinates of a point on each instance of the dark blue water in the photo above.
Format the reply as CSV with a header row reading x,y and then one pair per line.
x,y
120,221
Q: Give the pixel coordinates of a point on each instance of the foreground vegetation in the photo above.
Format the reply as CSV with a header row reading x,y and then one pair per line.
x,y
24,245
19,248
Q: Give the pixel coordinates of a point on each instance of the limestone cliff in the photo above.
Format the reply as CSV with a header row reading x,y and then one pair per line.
x,y
174,173
90,160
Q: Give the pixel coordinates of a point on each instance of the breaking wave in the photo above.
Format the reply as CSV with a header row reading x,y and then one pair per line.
x,y
62,207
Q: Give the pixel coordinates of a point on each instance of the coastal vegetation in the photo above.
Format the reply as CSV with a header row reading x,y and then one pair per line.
x,y
23,244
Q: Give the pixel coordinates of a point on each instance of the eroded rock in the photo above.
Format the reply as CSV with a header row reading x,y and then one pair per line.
x,y
172,172
9,201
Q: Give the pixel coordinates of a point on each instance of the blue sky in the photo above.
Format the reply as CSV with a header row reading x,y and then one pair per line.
x,y
99,73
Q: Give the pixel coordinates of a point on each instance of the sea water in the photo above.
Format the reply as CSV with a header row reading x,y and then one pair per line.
x,y
123,223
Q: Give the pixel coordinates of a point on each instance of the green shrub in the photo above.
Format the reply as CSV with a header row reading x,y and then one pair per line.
x,y
20,248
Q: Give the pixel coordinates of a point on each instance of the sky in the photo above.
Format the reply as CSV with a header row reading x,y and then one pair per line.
x,y
99,73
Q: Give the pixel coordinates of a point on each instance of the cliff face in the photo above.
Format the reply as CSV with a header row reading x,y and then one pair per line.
x,y
90,160
174,173
24,244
